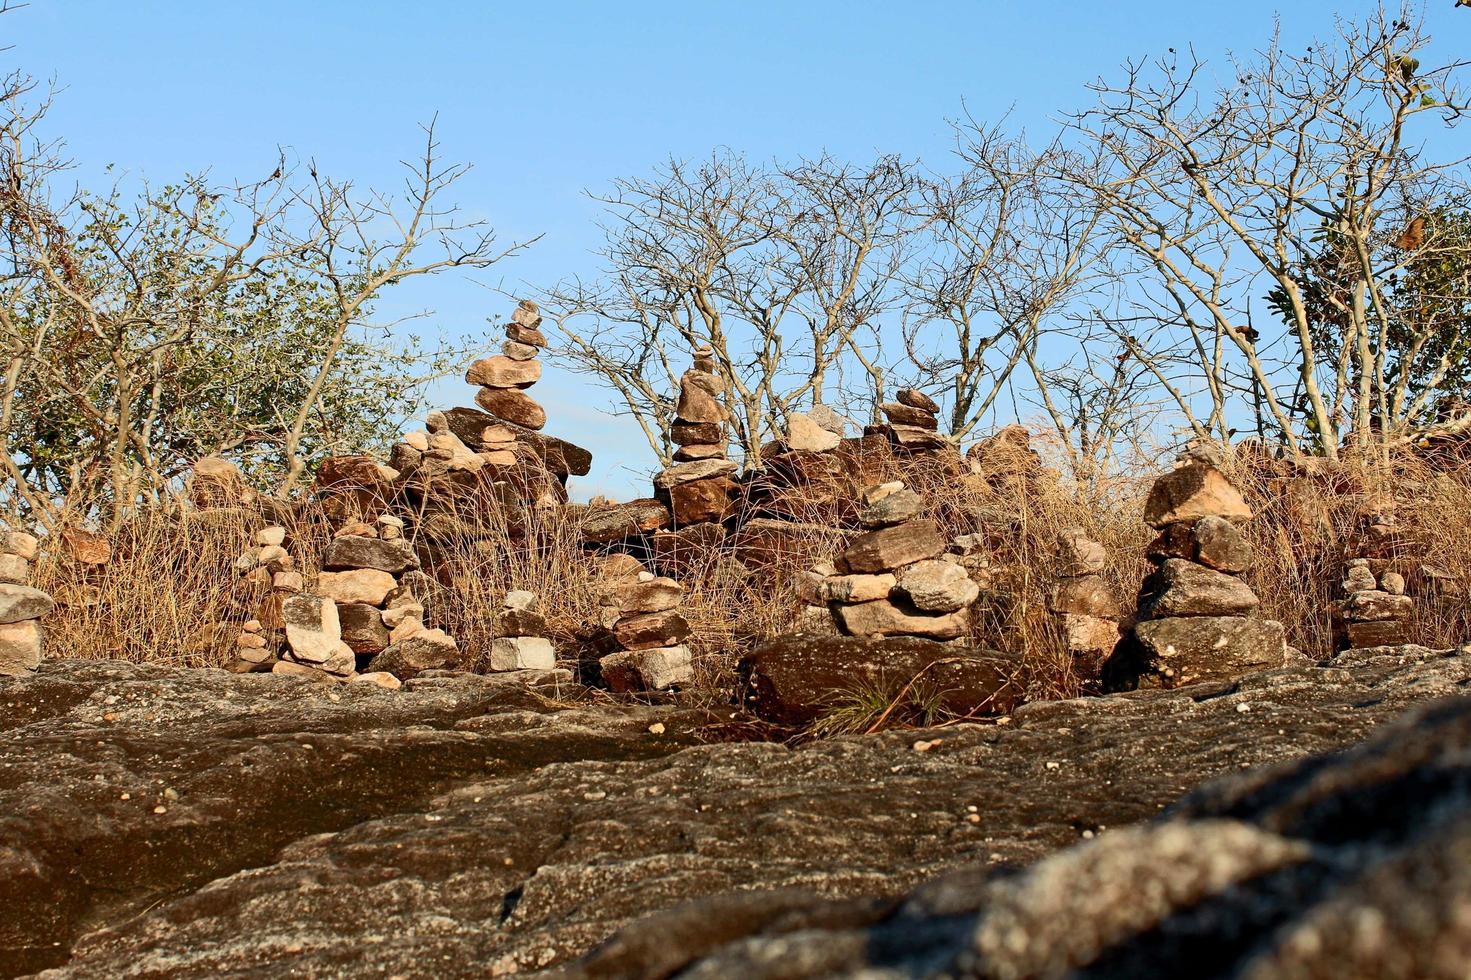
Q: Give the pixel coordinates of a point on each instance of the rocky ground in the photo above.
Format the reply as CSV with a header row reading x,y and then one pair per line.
x,y
163,822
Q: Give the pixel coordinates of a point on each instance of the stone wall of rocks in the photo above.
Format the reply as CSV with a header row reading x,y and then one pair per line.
x,y
22,637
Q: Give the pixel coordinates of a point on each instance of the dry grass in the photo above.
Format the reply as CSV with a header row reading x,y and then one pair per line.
x,y
171,581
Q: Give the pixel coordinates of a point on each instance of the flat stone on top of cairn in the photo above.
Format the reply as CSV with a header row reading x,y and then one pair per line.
x,y
22,638
914,420
1196,618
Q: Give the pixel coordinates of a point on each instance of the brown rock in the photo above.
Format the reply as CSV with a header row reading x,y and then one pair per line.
x,y
894,508
426,650
687,472
654,669
286,668
616,522
899,617
794,680
503,372
531,336
891,548
692,546
313,629
855,588
917,399
21,602
696,433
690,454
86,547
697,399
1376,606
652,596
1192,491
1385,633
513,405
520,622
362,627
914,438
1183,650
899,414
764,543
660,629
22,646
349,552
1079,555
1210,541
710,500
369,585
518,351
1090,636
1183,588
806,434
381,678
937,586
1087,595
19,543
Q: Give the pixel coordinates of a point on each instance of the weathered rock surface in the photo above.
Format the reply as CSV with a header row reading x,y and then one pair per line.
x,y
464,826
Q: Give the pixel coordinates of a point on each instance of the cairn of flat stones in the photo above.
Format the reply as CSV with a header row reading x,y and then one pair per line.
x,y
22,638
1084,603
699,487
522,640
269,565
914,420
505,378
1196,618
641,610
1374,610
897,578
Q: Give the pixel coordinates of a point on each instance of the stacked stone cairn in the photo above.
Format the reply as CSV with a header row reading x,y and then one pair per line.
x,y
641,611
897,578
504,378
22,638
914,420
1374,611
521,639
1196,617
699,488
1084,603
269,565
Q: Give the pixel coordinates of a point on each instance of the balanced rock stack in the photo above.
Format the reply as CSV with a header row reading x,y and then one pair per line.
x,y
370,573
1086,607
698,488
914,420
1375,612
269,564
642,612
521,637
22,641
1196,617
504,378
897,578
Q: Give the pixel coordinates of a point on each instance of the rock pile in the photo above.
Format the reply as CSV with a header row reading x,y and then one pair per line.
x,y
521,637
641,610
1196,617
268,564
896,579
699,487
1375,612
504,378
22,640
914,420
1083,601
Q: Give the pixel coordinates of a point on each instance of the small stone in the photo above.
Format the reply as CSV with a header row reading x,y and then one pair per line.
x,y
313,630
657,728
894,508
530,336
806,434
424,650
22,646
21,602
1393,583
418,441
522,653
19,543
381,678
250,641
287,582
1086,595
1085,635
14,569
655,669
526,314
519,599
891,548
520,622
269,536
518,351
1193,491
1375,606
937,586
916,399
856,588
1079,555
289,669
1360,579
654,595
697,401
659,629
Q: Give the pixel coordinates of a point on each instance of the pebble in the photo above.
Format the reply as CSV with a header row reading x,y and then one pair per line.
x,y
657,728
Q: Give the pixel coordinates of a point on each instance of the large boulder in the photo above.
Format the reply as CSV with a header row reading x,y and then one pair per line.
x,y
795,680
1183,650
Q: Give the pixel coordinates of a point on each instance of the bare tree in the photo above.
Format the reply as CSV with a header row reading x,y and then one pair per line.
x,y
1223,195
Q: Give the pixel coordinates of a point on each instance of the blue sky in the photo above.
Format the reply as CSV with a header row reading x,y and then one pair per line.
x,y
548,100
